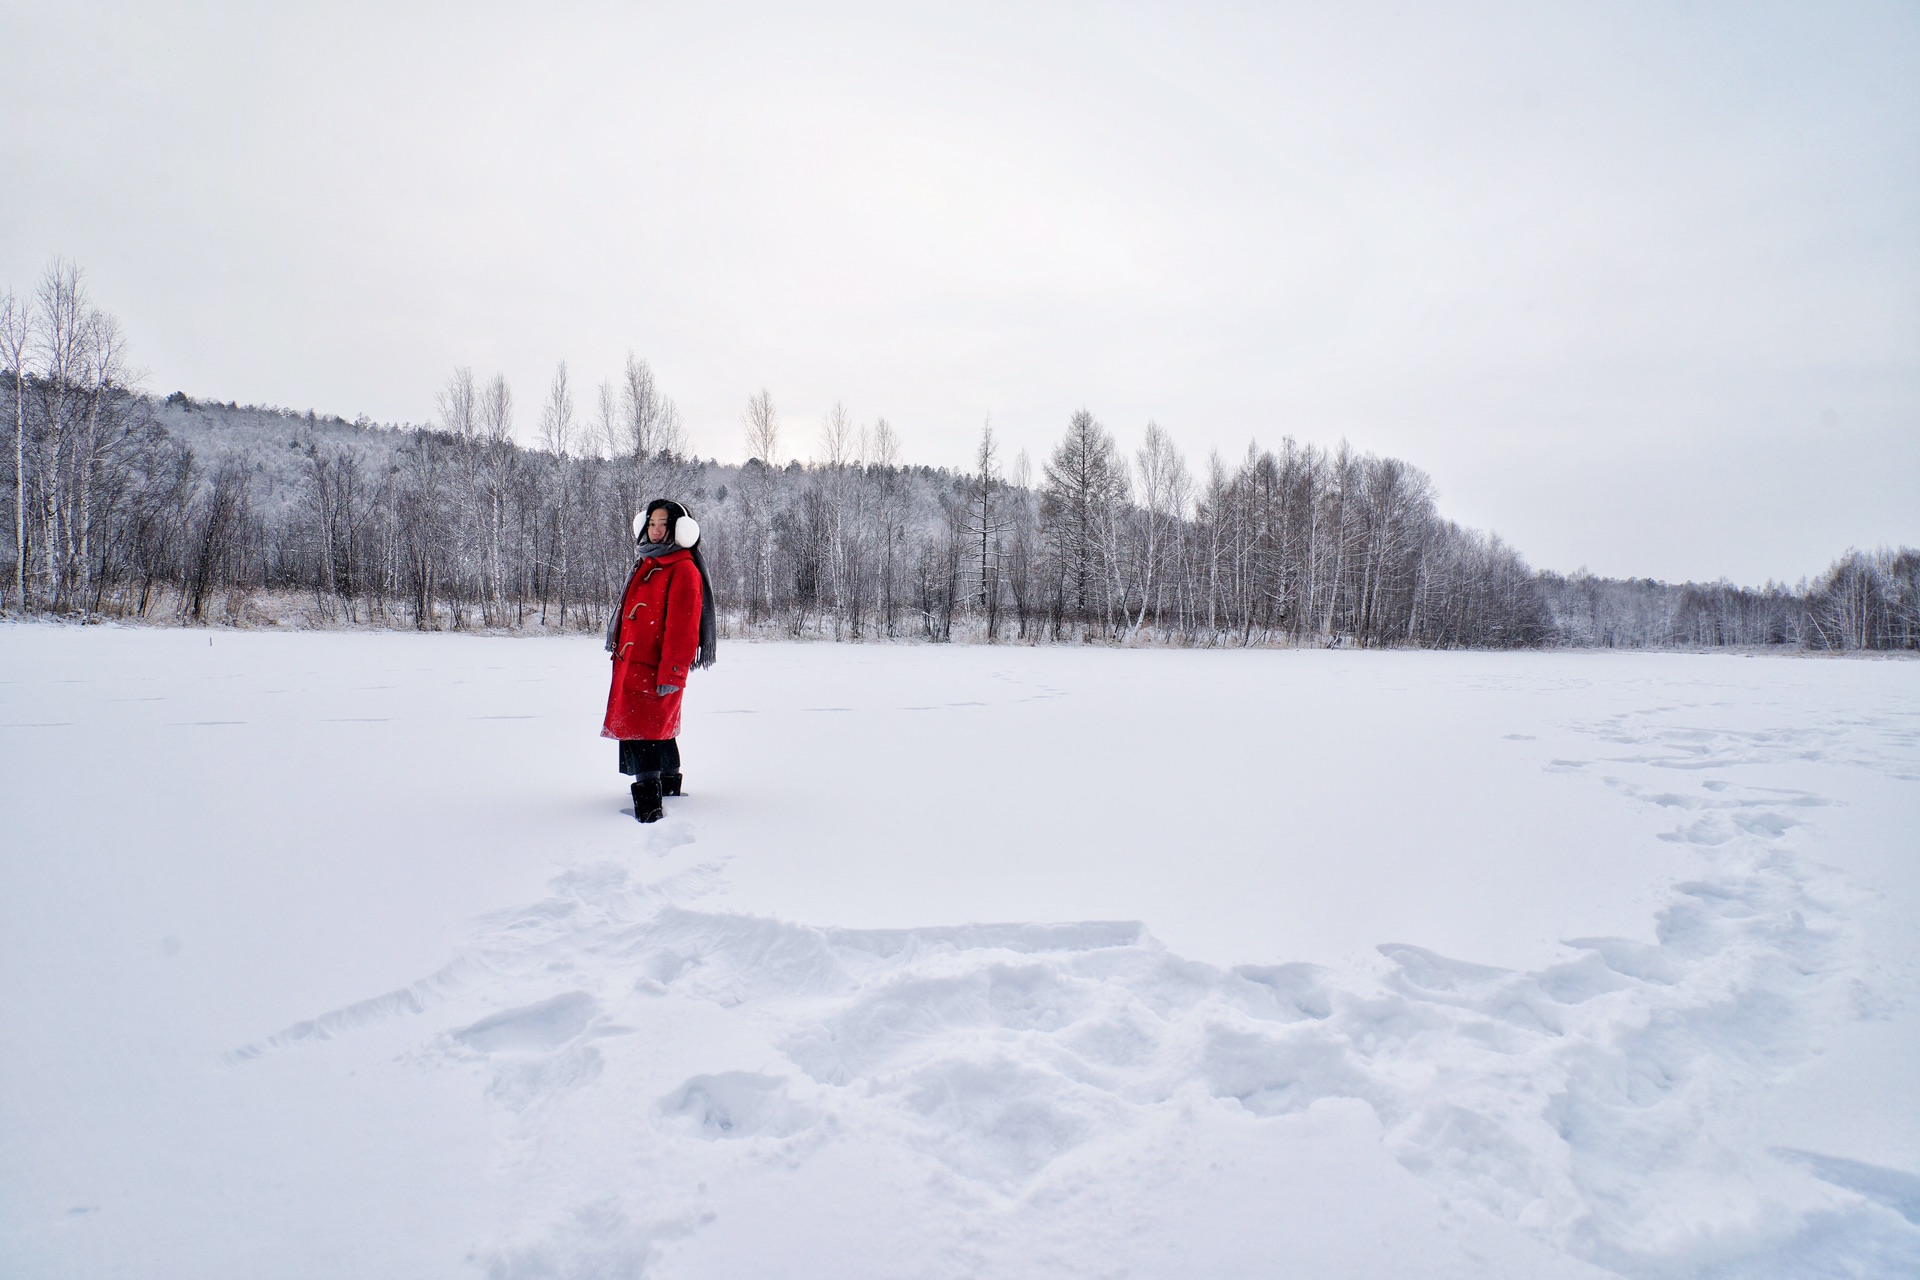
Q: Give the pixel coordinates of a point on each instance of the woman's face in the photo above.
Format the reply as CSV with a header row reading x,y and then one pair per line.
x,y
657,525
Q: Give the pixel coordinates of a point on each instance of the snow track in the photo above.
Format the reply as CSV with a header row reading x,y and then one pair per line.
x,y
1598,1102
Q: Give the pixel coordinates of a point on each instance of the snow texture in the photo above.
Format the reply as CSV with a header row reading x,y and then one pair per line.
x,y
1647,1007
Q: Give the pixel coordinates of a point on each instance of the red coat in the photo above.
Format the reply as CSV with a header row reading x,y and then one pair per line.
x,y
659,634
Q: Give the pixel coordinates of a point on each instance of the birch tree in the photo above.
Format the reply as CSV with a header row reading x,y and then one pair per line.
x,y
890,516
839,494
985,523
16,337
762,423
556,435
62,335
498,459
1165,489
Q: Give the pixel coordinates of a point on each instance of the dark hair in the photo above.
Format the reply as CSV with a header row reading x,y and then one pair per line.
x,y
709,637
674,512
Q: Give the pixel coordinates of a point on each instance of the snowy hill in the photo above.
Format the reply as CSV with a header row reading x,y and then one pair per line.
x,y
271,441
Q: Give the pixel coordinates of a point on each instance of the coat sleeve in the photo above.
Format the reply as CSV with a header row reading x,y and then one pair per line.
x,y
682,638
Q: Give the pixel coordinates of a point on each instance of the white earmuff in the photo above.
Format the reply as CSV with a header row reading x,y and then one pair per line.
x,y
639,524
686,531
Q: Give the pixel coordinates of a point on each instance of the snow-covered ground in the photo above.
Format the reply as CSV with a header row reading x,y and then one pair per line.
x,y
337,955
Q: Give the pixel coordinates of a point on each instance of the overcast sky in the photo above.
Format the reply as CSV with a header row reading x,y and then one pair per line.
x,y
1637,284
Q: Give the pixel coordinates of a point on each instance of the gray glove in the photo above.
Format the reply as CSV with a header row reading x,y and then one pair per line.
x,y
664,689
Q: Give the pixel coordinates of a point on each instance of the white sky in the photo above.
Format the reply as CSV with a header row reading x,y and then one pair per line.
x,y
1638,284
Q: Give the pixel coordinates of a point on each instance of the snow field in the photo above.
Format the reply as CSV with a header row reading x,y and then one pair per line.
x,y
1649,1011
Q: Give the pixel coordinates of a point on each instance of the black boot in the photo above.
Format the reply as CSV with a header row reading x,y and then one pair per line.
x,y
646,798
670,784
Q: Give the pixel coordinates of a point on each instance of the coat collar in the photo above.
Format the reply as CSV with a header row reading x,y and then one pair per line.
x,y
676,556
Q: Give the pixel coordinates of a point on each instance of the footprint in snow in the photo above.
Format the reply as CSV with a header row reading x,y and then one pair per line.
x,y
665,836
1898,1191
536,1027
536,1051
737,1104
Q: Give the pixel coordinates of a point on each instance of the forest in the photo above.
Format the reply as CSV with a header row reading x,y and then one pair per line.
x,y
120,504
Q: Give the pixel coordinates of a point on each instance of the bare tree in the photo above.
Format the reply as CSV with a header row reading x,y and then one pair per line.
x,y
62,332
839,440
105,378
16,336
556,415
839,498
763,428
883,445
889,512
76,431
496,412
758,491
1084,481
556,433
984,526
458,402
1165,489
498,459
1296,544
607,419
222,517
653,426
425,523
1024,550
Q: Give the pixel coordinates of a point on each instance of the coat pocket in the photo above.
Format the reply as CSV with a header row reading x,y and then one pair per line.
x,y
638,678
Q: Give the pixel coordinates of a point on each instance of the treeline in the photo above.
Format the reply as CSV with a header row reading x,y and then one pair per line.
x,y
457,525
1865,600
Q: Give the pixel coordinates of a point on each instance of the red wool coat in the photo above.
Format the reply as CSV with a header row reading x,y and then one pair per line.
x,y
659,634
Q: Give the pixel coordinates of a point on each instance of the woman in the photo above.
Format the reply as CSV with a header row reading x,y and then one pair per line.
x,y
662,629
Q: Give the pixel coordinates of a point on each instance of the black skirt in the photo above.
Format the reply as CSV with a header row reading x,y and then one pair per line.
x,y
649,755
